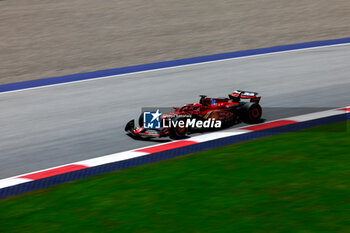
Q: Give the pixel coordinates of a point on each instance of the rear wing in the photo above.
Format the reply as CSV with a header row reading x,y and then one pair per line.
x,y
239,94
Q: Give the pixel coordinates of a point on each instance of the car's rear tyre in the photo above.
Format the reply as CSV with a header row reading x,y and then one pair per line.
x,y
178,132
251,112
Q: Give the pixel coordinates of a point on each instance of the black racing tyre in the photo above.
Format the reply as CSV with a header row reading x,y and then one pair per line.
x,y
129,126
141,120
251,112
178,132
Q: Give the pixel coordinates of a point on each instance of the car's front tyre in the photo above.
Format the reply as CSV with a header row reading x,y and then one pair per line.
x,y
177,132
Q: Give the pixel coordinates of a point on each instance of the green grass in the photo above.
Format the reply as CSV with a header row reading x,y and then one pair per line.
x,y
293,182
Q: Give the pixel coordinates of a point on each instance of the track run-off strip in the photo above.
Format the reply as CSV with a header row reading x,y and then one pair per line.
x,y
68,172
109,73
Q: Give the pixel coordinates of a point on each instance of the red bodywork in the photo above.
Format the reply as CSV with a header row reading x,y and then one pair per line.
x,y
223,109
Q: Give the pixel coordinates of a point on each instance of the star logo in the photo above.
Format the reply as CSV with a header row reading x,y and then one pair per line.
x,y
156,115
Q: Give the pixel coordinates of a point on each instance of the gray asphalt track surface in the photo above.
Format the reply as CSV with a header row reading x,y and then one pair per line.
x,y
51,126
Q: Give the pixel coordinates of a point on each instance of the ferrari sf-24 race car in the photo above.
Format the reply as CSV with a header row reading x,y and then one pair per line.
x,y
209,113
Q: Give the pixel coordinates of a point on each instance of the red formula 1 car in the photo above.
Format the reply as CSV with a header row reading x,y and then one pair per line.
x,y
209,113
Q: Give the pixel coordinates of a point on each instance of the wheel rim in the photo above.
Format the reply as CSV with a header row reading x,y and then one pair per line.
x,y
255,113
181,130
